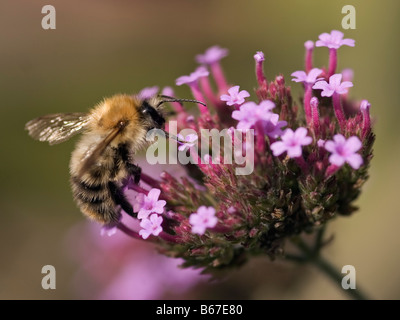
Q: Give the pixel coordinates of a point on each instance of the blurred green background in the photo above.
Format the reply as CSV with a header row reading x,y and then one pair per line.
x,y
104,47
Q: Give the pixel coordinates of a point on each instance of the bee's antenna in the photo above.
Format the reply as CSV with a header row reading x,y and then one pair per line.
x,y
172,99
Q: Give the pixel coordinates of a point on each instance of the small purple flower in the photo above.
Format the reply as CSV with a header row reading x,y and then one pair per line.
x,y
292,142
148,92
202,219
310,78
250,113
186,142
334,40
212,55
334,85
151,226
272,127
259,56
145,205
235,97
193,77
344,151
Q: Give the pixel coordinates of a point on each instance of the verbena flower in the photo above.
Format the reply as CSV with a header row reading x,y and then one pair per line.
x,y
310,78
292,143
211,58
334,40
212,55
250,113
334,89
335,85
202,219
343,151
212,217
235,97
151,226
147,204
193,77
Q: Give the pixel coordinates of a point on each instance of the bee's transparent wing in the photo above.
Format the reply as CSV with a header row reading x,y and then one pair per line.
x,y
98,151
57,128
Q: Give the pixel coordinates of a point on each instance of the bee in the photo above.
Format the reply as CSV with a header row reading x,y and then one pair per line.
x,y
103,159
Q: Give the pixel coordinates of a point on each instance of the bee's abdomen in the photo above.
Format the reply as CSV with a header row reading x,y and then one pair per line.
x,y
94,200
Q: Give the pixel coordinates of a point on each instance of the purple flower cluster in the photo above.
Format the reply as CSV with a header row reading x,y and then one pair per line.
x,y
310,161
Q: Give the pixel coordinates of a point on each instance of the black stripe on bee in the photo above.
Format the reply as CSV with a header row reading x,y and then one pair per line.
x,y
88,187
89,193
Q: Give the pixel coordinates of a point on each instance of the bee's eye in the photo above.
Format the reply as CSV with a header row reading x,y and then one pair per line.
x,y
155,116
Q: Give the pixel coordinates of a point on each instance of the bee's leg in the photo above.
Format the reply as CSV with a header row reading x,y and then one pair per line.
x,y
120,199
135,171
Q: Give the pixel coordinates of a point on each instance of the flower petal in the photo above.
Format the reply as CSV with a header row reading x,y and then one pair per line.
x,y
335,80
330,146
154,194
300,75
233,90
295,151
278,148
355,160
348,42
336,159
339,139
321,85
353,144
313,74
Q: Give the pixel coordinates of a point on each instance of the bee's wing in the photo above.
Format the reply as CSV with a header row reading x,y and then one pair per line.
x,y
56,128
98,151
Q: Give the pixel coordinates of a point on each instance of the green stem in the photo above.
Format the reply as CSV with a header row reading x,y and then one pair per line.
x,y
312,255
336,276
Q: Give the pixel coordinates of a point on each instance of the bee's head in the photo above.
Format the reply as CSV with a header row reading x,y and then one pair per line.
x,y
152,114
152,109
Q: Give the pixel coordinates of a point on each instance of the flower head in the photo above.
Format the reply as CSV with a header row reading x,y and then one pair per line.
x,y
291,143
250,113
148,92
272,198
186,142
334,40
145,205
193,77
151,226
334,85
202,219
212,55
344,151
310,78
235,97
